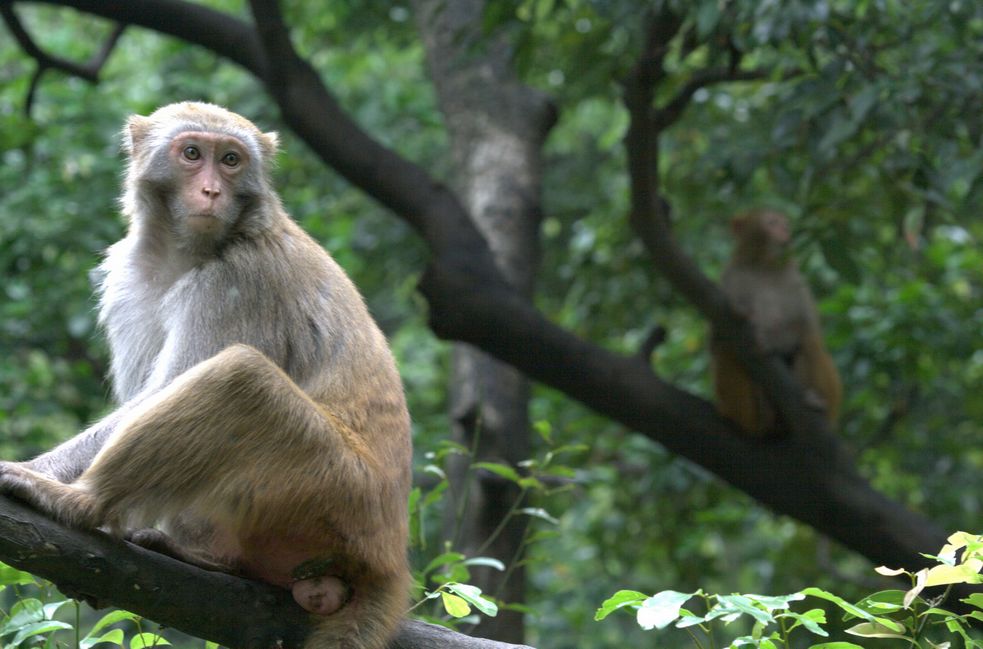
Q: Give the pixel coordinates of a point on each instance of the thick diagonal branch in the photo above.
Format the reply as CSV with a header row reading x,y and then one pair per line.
x,y
232,611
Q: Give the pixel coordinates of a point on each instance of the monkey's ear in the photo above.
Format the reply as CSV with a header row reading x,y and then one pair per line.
x,y
137,129
270,143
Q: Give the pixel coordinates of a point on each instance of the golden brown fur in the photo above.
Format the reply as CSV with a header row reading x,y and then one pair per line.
x,y
765,285
262,423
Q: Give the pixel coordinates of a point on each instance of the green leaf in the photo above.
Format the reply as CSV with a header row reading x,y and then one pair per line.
x,y
414,499
835,645
874,630
434,494
707,17
486,561
811,620
687,619
776,602
862,102
111,618
976,599
442,560
961,574
454,605
51,608
620,599
147,640
37,628
111,637
661,610
730,607
539,512
24,612
840,129
890,572
10,576
436,470
854,610
474,597
885,601
502,470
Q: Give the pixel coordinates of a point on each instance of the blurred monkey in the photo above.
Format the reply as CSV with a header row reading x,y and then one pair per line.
x,y
764,284
262,426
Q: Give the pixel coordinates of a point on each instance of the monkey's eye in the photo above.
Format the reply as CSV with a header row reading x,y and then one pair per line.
x,y
231,159
191,153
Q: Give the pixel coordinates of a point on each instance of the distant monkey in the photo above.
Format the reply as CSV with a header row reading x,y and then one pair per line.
x,y
764,284
262,426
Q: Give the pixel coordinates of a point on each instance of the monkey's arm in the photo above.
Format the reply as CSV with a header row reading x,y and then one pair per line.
x,y
819,373
68,460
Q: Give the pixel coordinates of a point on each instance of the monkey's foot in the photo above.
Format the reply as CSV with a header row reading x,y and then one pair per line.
x,y
321,595
160,542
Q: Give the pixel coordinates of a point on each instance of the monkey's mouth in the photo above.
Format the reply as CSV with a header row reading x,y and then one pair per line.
x,y
204,222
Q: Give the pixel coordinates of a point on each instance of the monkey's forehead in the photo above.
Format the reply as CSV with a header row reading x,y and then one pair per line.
x,y
158,140
203,113
171,120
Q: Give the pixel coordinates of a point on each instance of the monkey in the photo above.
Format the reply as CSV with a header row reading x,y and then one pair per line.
x,y
262,426
763,283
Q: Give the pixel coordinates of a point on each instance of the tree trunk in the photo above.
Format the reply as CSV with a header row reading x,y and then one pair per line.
x,y
497,129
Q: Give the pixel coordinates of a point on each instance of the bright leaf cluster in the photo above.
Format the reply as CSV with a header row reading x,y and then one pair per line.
x,y
889,614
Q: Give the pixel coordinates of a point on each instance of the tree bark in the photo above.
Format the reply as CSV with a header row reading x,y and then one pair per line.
x,y
497,129
232,611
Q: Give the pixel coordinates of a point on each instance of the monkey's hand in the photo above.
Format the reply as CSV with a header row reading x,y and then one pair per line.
x,y
66,504
16,481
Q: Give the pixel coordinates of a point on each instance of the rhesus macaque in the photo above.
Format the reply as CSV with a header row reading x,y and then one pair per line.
x,y
262,426
764,284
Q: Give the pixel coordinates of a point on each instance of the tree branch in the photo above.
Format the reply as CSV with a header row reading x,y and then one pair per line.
x,y
88,71
232,611
671,111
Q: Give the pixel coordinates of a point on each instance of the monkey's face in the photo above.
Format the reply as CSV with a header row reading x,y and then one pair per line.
x,y
210,170
774,225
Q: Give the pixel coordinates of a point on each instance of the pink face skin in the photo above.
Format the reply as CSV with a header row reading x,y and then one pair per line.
x,y
210,163
776,226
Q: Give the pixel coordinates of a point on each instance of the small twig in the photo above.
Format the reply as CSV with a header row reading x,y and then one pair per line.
x,y
672,110
88,71
654,338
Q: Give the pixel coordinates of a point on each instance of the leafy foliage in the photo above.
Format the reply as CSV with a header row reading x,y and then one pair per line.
x,y
888,614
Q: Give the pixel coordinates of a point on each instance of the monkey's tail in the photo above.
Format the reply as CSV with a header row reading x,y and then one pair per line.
x,y
369,619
